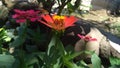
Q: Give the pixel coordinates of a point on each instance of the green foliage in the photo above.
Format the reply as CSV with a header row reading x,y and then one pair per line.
x,y
56,56
114,61
27,42
54,53
47,5
3,38
3,35
115,66
21,36
96,61
6,61
36,36
71,8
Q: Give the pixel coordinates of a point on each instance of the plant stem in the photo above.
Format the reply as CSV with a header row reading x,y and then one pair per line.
x,y
22,61
0,49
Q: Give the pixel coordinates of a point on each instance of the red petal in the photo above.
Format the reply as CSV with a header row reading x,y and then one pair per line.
x,y
69,21
33,19
93,39
21,20
19,11
15,16
81,36
47,18
87,38
45,23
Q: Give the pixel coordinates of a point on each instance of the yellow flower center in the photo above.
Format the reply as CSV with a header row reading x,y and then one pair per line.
x,y
58,22
59,17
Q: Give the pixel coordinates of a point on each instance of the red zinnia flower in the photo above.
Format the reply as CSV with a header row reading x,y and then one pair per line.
x,y
87,38
58,22
21,16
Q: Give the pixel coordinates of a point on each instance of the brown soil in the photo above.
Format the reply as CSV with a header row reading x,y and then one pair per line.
x,y
100,19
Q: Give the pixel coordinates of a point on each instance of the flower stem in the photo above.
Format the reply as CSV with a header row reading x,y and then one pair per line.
x,y
0,49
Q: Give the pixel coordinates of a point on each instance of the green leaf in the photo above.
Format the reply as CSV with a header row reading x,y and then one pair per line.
x,y
36,36
55,51
69,48
32,62
68,60
53,59
21,36
70,64
2,32
34,58
82,64
6,61
31,48
96,62
115,66
73,55
114,61
60,47
70,8
16,63
57,64
52,43
57,43
7,38
18,41
22,29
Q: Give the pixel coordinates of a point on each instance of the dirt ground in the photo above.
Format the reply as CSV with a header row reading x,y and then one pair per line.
x,y
100,16
101,19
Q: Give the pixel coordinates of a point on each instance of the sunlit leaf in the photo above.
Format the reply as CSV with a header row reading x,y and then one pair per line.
x,y
70,64
96,62
57,64
73,55
114,61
